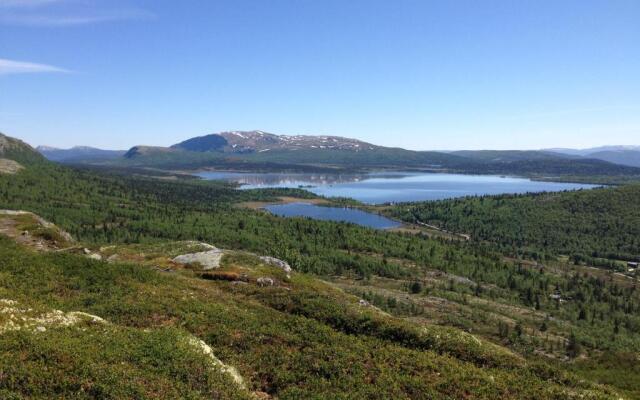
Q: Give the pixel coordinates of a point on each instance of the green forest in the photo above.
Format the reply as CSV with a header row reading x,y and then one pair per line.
x,y
591,226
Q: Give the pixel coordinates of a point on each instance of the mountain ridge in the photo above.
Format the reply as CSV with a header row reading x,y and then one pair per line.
x,y
618,154
78,153
259,141
260,150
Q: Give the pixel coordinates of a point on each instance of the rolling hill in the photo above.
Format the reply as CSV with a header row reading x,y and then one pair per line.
x,y
623,155
510,155
18,151
79,154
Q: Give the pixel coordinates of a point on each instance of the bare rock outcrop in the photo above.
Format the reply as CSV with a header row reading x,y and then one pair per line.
x,y
9,166
277,263
207,259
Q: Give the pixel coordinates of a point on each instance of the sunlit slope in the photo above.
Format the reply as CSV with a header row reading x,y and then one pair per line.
x,y
297,338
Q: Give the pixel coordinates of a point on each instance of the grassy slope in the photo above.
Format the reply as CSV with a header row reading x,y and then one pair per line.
x,y
301,340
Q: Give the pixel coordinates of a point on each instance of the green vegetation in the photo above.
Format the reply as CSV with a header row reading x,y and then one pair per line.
x,y
18,151
300,338
615,369
592,226
109,363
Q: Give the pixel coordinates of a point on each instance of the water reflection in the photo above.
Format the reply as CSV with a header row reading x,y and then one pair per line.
x,y
250,180
389,187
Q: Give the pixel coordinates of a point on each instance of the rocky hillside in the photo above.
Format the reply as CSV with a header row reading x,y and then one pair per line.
x,y
18,151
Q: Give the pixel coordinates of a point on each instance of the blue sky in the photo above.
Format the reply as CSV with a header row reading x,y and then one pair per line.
x,y
420,74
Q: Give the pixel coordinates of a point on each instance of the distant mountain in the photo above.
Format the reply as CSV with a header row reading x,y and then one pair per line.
x,y
623,155
259,141
79,154
258,150
509,155
262,148
588,151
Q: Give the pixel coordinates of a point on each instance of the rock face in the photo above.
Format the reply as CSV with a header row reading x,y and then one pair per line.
x,y
277,263
208,259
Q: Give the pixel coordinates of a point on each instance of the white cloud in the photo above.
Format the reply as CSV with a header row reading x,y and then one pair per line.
x,y
70,20
58,13
21,67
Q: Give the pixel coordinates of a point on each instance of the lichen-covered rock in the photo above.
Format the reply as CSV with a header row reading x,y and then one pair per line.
x,y
14,318
264,281
277,263
207,259
215,361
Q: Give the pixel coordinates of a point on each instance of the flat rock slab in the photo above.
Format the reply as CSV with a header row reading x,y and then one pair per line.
x,y
208,259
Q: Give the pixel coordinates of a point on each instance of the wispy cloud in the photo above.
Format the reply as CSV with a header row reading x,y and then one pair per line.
x,y
59,13
26,3
8,67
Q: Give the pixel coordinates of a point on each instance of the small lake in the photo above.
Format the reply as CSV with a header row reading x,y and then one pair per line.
x,y
393,187
332,214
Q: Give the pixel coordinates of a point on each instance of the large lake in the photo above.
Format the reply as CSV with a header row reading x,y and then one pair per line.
x,y
391,187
